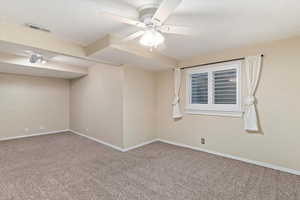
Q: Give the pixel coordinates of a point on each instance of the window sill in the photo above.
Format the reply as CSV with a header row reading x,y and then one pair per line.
x,y
214,113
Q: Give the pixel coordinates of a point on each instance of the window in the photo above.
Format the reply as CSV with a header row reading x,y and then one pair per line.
x,y
214,89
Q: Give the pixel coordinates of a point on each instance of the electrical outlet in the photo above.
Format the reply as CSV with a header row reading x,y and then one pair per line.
x,y
87,129
202,140
26,129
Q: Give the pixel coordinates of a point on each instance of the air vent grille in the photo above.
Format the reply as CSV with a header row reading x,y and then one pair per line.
x,y
37,27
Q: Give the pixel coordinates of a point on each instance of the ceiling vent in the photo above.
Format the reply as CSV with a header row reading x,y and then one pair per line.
x,y
37,27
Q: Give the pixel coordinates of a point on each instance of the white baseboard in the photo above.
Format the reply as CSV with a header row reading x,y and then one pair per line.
x,y
139,145
259,163
111,145
263,164
32,135
96,140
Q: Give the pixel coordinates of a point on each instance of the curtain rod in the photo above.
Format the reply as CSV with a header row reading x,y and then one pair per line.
x,y
236,59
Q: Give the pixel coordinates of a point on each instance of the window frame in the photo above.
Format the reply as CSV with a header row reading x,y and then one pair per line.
x,y
210,108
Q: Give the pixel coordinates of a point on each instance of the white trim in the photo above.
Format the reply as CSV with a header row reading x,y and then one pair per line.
x,y
111,145
32,135
139,145
259,163
99,141
213,113
83,135
217,109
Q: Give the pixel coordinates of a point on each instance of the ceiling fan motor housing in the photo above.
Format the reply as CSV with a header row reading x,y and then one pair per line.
x,y
146,13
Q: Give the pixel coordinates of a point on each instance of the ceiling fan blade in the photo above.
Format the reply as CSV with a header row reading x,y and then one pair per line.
x,y
164,11
179,30
124,20
133,36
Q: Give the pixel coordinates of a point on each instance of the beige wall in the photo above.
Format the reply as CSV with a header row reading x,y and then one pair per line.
x,y
97,103
278,107
115,105
33,103
139,106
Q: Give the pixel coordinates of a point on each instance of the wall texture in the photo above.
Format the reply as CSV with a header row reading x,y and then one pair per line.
x,y
31,105
115,105
278,109
127,106
96,107
139,106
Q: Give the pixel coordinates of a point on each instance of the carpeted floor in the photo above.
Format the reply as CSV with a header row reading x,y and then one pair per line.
x,y
69,167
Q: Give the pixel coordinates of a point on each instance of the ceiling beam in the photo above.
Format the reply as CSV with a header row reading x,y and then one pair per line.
x,y
25,36
130,47
23,61
98,45
33,38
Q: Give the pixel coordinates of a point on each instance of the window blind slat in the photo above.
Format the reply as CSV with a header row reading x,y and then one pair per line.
x,y
225,89
199,87
225,84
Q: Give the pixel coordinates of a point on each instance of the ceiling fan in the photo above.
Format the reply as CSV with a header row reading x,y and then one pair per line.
x,y
151,20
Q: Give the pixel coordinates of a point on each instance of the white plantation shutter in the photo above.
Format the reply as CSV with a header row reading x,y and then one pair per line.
x,y
225,86
214,89
199,88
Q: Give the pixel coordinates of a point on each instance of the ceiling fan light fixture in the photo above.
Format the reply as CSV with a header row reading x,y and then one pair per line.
x,y
34,58
37,58
152,38
44,61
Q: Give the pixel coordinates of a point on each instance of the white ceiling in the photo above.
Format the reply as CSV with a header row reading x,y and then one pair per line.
x,y
20,63
220,23
21,50
119,56
34,71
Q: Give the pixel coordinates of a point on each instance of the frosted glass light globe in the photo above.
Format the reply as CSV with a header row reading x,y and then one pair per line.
x,y
152,38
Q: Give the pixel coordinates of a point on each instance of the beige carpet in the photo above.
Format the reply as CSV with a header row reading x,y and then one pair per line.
x,y
70,167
